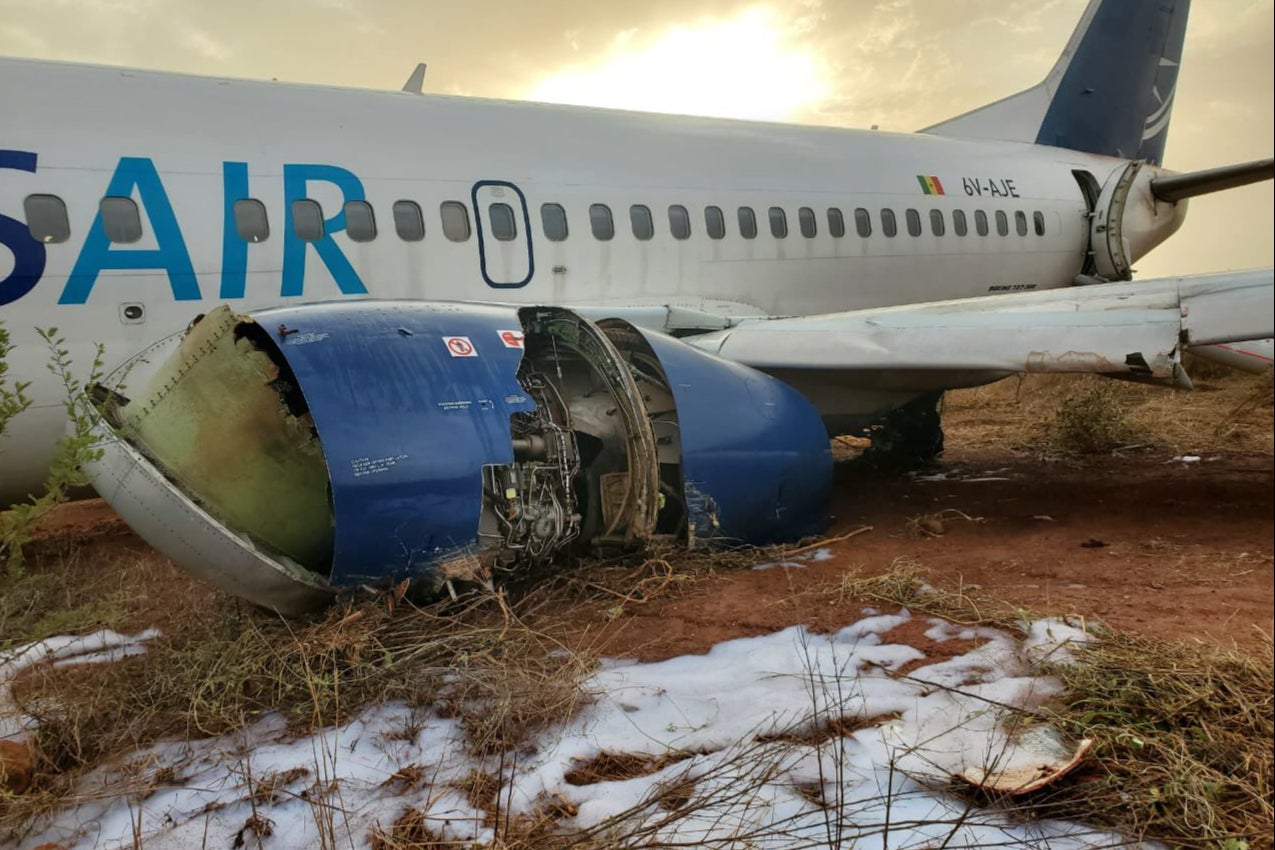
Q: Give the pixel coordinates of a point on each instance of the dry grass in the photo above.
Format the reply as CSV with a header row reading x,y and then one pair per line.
x,y
1065,414
479,660
1183,732
905,585
1184,741
493,658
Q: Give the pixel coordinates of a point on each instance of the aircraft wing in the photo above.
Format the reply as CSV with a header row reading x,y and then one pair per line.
x,y
1132,330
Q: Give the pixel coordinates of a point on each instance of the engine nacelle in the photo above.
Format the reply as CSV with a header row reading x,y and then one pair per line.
x,y
291,453
1129,220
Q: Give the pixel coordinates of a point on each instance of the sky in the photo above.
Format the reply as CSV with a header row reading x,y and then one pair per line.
x,y
897,64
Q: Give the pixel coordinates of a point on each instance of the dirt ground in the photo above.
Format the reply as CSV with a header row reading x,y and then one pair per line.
x,y
1166,549
1139,539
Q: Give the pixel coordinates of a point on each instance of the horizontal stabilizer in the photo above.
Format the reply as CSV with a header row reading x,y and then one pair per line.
x,y
1132,330
1178,187
1254,355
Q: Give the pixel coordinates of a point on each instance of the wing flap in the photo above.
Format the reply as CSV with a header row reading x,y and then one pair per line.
x,y
1222,310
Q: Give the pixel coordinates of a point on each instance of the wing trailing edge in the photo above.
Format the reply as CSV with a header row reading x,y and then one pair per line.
x,y
1129,330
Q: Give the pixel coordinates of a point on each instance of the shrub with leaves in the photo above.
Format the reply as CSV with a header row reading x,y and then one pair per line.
x,y
13,396
73,450
1092,418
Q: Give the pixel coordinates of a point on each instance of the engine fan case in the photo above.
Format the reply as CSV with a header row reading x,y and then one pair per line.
x,y
756,462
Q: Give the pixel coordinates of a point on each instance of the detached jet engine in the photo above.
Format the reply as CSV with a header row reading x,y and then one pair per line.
x,y
289,454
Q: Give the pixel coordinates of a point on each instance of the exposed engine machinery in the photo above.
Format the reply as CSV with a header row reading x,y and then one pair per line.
x,y
300,451
531,502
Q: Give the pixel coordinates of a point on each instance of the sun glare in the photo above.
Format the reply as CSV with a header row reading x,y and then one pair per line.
x,y
747,66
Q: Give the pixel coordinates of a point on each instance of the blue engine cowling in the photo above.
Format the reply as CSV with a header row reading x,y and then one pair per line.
x,y
457,439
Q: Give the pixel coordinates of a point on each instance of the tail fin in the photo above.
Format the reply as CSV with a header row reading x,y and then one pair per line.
x,y
1111,91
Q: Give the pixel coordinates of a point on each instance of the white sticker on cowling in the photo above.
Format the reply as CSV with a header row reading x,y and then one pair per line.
x,y
511,339
305,338
459,346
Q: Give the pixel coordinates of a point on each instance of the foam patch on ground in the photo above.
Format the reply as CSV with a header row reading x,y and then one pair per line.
x,y
788,740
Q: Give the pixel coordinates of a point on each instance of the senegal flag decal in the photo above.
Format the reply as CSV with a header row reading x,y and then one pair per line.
x,y
930,184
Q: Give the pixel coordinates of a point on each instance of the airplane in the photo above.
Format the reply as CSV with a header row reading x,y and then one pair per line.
x,y
856,275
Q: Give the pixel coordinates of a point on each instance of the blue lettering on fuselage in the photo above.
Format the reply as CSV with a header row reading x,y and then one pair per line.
x,y
234,250
137,178
28,255
295,178
170,253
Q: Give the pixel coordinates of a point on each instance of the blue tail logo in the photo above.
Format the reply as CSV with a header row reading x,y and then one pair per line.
x,y
1111,92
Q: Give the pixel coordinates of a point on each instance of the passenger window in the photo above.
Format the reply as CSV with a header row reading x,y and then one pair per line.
x,y
121,220
307,219
889,226
747,223
1002,223
46,218
409,223
806,222
980,222
250,220
1038,218
836,223
936,223
862,222
554,220
503,225
601,222
360,223
1020,222
679,221
914,222
958,222
455,216
715,222
778,222
643,224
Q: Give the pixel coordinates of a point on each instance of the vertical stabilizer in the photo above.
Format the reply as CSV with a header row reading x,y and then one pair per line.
x,y
1111,92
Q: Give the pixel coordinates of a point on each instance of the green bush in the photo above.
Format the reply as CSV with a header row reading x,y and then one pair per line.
x,y
18,523
1092,418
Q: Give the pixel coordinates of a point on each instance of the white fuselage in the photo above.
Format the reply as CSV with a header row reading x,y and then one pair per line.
x,y
186,148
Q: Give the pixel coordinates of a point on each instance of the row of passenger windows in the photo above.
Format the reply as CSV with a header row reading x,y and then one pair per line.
x,y
48,221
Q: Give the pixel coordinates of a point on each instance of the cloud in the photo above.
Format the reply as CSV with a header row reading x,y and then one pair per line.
x,y
23,40
203,43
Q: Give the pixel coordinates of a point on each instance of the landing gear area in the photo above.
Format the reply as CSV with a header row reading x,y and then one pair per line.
x,y
909,437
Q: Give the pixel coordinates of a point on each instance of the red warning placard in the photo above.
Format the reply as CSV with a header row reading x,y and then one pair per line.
x,y
511,339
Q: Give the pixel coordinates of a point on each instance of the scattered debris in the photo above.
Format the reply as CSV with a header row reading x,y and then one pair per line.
x,y
935,525
931,526
1053,760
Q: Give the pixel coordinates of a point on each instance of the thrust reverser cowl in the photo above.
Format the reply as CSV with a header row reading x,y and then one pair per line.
x,y
291,453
